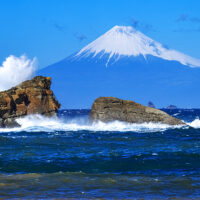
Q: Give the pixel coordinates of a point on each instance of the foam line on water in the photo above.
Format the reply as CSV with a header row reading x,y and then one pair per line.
x,y
36,123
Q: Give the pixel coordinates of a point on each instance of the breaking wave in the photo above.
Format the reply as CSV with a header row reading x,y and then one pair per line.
x,y
195,123
36,123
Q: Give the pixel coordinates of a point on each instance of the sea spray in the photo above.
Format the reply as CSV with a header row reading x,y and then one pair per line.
x,y
35,123
195,123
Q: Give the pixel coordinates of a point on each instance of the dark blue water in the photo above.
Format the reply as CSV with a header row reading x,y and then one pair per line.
x,y
68,158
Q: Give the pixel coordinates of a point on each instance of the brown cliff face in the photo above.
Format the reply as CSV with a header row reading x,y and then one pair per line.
x,y
108,109
30,97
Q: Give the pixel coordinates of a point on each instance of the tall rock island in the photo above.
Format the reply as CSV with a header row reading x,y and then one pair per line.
x,y
30,97
109,109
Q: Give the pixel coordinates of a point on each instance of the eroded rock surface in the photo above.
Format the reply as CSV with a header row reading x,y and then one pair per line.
x,y
109,109
30,97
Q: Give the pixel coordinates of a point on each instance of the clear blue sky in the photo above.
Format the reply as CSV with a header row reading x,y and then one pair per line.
x,y
53,29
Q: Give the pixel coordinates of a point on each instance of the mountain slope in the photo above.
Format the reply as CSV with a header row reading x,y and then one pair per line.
x,y
126,41
126,64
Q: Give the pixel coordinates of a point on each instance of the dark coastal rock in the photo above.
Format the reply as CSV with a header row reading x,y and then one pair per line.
x,y
171,107
30,97
1,122
109,109
151,104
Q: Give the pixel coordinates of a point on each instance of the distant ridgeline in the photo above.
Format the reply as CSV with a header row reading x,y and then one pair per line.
x,y
125,63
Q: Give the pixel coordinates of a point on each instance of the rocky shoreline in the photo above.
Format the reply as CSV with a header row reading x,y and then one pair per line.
x,y
30,97
35,97
109,109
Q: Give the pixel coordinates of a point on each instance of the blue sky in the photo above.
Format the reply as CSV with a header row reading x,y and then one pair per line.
x,y
53,29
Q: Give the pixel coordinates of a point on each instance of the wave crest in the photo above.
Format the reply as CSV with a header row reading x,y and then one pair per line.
x,y
195,123
36,123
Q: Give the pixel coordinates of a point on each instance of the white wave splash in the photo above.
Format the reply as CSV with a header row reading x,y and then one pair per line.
x,y
195,123
36,123
15,70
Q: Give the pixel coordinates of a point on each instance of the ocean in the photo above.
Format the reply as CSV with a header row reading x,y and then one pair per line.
x,y
69,158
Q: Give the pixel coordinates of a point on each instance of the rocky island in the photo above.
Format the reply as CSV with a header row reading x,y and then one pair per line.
x,y
30,97
109,109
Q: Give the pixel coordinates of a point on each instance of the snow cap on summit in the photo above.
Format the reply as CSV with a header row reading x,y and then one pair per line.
x,y
127,41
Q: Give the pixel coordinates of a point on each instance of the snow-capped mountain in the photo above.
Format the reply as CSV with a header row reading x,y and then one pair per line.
x,y
127,41
125,63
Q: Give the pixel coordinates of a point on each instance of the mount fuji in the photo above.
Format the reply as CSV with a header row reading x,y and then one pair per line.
x,y
125,63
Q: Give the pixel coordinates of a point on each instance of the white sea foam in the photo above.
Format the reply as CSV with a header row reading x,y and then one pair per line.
x,y
195,123
36,123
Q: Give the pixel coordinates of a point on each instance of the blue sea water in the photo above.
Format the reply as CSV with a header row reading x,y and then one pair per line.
x,y
68,158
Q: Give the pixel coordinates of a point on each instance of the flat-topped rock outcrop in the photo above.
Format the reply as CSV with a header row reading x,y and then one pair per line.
x,y
109,109
30,97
